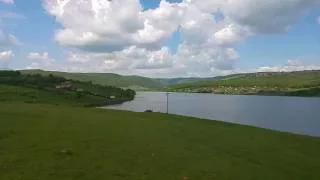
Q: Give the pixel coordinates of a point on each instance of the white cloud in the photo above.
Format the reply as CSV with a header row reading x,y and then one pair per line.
x,y
267,16
231,34
100,25
203,60
8,39
6,55
41,61
291,65
130,59
260,16
7,1
119,36
39,56
155,63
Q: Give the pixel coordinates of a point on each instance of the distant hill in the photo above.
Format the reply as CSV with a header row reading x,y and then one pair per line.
x,y
300,83
172,81
133,82
268,83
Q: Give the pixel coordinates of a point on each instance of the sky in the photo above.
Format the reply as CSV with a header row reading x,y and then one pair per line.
x,y
160,38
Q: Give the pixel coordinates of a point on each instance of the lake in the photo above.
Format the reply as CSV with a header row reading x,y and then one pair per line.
x,y
290,114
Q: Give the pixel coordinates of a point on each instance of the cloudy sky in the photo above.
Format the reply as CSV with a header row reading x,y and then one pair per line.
x,y
160,38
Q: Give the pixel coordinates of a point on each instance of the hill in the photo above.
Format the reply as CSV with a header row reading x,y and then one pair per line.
x,y
15,86
41,141
302,83
132,82
172,81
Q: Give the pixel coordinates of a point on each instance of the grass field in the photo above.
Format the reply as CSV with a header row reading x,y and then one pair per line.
x,y
10,93
50,142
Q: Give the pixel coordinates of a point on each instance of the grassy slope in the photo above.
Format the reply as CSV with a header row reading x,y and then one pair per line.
x,y
55,142
42,89
9,93
104,79
291,80
172,81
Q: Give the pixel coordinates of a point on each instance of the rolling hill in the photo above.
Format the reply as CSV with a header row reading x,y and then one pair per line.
x,y
172,81
132,82
300,83
264,83
36,88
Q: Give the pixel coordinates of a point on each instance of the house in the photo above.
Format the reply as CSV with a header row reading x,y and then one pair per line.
x,y
64,85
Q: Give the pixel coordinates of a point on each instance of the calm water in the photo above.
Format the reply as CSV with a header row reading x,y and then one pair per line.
x,y
291,114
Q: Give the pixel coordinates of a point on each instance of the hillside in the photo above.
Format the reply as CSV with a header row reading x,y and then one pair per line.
x,y
15,86
62,143
302,83
47,133
172,81
133,82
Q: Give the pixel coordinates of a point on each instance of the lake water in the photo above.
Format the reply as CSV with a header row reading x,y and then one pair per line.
x,y
291,114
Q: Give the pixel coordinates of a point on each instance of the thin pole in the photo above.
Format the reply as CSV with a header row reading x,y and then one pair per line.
x,y
167,103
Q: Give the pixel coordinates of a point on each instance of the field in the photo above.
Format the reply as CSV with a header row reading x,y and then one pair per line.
x,y
39,141
47,133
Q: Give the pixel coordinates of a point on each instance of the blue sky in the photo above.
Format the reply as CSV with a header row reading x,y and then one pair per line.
x,y
169,48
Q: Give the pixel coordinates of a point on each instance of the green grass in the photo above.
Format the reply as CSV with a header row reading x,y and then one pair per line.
x,y
15,86
10,93
105,79
40,141
173,81
301,83
302,79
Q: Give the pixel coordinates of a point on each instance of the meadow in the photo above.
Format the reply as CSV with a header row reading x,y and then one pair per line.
x,y
40,141
53,135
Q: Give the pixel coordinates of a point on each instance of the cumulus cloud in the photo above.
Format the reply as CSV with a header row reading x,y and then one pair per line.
x,y
132,58
118,35
291,65
6,55
99,25
39,56
8,39
231,34
189,60
259,15
7,1
267,16
41,61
